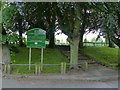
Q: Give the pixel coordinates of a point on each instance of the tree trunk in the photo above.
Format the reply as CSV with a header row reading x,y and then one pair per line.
x,y
74,47
5,54
82,31
110,43
116,41
81,40
20,38
74,41
20,30
0,53
51,39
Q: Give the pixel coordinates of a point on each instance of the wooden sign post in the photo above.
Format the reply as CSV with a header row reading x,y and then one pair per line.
x,y
36,38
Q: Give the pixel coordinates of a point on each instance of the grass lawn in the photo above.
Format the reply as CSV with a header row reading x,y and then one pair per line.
x,y
51,56
104,55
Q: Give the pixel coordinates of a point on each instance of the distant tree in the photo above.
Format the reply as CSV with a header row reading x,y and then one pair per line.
x,y
85,40
12,21
99,40
93,39
42,15
58,41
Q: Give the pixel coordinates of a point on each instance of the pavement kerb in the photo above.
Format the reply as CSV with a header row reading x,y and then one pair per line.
x,y
64,77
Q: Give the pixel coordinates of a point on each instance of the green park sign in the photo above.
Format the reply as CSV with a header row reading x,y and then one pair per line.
x,y
36,38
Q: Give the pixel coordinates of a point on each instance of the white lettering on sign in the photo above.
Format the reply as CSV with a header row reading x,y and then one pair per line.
x,y
36,43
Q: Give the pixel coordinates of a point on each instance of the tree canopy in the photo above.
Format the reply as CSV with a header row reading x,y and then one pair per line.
x,y
73,18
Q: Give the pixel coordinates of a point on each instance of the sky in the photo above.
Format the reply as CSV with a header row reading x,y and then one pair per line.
x,y
63,37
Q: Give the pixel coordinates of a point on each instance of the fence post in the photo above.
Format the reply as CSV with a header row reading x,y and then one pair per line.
x,y
5,68
36,71
8,68
62,67
39,68
86,65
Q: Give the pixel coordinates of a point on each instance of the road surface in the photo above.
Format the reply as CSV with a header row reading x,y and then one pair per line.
x,y
44,83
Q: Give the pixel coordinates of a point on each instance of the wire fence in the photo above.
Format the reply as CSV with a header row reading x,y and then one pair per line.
x,y
38,68
95,44
89,44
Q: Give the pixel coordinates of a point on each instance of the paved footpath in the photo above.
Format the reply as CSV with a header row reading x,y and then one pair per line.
x,y
54,82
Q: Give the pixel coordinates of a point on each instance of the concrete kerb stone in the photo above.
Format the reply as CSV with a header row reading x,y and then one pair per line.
x,y
63,77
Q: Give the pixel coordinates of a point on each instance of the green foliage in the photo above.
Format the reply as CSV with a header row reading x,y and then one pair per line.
x,y
13,56
12,22
110,21
9,14
58,41
85,40
0,37
24,41
103,55
11,39
93,39
100,40
4,38
14,49
0,17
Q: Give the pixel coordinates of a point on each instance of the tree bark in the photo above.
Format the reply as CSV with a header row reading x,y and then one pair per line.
x,y
116,41
20,29
74,47
110,43
74,41
5,54
81,39
20,38
51,39
82,31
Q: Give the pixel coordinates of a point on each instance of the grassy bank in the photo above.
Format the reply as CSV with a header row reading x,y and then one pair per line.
x,y
51,56
104,55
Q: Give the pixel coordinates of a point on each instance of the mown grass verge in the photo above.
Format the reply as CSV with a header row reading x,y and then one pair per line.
x,y
51,56
103,55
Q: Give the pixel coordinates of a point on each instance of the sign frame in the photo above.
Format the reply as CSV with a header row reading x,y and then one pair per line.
x,y
36,38
33,36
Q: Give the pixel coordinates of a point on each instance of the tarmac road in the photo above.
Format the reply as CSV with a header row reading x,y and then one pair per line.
x,y
27,83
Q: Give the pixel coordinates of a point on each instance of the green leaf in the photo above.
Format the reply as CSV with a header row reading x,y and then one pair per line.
x,y
4,39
